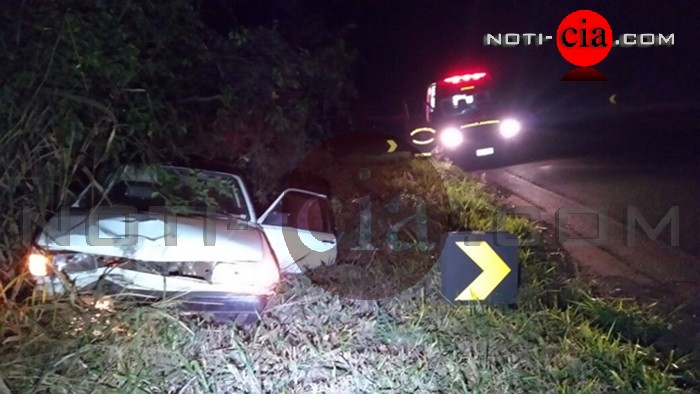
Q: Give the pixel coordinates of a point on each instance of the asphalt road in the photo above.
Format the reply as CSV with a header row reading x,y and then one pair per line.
x,y
645,162
583,180
616,186
587,201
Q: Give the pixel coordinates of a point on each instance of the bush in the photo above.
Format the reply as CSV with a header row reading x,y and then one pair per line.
x,y
88,86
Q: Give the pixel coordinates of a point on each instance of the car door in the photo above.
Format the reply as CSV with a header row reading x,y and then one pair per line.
x,y
299,226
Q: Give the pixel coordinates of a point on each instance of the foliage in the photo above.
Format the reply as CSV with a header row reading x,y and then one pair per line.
x,y
280,109
88,86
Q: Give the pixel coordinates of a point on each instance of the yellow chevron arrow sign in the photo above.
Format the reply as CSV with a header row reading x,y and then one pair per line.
x,y
392,145
494,270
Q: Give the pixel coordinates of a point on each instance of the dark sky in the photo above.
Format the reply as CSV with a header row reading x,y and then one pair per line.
x,y
405,44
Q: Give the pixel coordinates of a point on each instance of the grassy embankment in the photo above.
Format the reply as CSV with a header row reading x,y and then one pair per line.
x,y
559,338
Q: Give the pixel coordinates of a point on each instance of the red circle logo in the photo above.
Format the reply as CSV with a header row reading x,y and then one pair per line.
x,y
584,38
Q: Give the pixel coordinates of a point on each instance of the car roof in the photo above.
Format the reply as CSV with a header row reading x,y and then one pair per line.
x,y
143,174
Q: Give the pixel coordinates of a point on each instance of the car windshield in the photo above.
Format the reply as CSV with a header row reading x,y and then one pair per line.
x,y
177,191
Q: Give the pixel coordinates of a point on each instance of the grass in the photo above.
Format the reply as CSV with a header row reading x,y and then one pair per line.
x,y
560,338
313,341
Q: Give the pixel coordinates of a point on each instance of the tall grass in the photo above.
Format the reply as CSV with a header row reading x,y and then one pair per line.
x,y
313,341
56,144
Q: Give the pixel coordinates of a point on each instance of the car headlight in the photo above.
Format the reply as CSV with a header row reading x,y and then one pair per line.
x,y
509,128
39,262
451,138
258,277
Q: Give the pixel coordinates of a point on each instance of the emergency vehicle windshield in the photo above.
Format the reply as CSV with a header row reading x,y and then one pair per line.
x,y
462,103
459,96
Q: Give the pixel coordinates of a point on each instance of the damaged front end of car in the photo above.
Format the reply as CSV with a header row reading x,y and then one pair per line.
x,y
226,290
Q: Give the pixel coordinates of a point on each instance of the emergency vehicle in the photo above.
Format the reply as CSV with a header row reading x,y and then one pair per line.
x,y
466,117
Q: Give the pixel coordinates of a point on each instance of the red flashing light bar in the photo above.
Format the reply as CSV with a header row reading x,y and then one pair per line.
x,y
455,79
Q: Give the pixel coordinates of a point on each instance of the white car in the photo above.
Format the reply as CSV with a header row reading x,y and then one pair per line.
x,y
161,232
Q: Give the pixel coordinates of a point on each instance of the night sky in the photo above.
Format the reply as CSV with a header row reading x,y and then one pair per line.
x,y
404,45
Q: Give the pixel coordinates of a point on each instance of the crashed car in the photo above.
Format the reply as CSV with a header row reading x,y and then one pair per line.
x,y
192,236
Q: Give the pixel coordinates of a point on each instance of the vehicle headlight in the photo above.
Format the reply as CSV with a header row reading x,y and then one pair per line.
x,y
509,128
451,138
39,262
258,277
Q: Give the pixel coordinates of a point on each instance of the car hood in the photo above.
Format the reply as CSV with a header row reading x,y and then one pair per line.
x,y
149,237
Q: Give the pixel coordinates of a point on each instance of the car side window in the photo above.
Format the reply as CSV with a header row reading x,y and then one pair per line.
x,y
303,211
